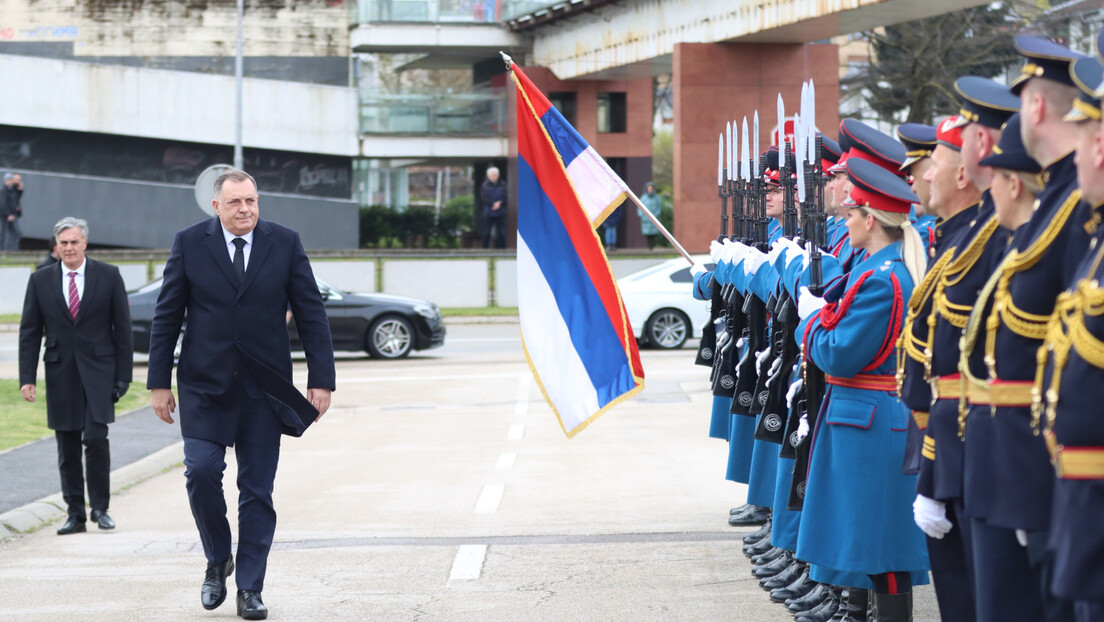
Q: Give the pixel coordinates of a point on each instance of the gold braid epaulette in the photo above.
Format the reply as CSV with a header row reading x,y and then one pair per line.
x,y
1028,325
958,314
1067,329
966,346
907,343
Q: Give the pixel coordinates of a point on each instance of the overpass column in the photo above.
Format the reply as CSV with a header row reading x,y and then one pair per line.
x,y
719,82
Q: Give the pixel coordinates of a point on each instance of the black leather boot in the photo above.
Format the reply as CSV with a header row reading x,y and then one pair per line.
x,y
853,606
893,607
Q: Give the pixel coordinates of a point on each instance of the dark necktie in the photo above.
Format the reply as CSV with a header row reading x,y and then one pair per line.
x,y
239,258
74,299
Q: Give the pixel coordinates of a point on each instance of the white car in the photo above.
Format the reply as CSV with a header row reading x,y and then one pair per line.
x,y
661,305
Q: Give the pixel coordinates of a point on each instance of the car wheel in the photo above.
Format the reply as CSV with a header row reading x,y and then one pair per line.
x,y
667,329
390,337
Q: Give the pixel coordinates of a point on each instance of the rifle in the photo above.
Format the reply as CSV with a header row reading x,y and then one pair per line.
x,y
815,386
784,318
707,347
750,396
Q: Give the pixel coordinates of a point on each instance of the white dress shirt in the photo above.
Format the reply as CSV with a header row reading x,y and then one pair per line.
x,y
233,249
80,280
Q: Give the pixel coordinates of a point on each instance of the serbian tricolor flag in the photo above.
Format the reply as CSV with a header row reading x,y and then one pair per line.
x,y
574,327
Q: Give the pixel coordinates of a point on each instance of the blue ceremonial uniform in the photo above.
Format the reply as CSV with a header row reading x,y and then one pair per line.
x,y
859,439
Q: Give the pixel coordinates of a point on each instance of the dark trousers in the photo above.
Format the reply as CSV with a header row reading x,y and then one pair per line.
x,y
1006,586
1089,611
257,450
498,224
1042,565
97,458
952,568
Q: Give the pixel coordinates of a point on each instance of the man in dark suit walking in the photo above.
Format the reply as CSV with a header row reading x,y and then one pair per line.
x,y
80,305
235,276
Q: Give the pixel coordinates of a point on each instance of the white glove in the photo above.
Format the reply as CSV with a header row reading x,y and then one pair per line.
x,y
803,428
778,248
741,342
931,517
697,268
1021,537
807,303
795,386
773,373
752,260
791,246
734,251
759,358
715,249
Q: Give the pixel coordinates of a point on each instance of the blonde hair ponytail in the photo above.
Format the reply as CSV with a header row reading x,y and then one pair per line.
x,y
898,226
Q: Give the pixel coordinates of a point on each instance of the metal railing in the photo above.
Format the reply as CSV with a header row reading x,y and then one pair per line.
x,y
481,113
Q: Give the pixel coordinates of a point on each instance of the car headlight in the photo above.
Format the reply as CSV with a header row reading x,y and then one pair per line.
x,y
428,311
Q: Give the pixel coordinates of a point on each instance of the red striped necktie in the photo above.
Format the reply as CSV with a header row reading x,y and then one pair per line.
x,y
74,299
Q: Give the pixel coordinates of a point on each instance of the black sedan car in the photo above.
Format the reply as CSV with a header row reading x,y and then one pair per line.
x,y
387,327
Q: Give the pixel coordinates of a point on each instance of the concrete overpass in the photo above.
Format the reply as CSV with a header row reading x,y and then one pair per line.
x,y
727,59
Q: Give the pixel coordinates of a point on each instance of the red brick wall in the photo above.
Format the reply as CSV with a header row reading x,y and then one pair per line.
x,y
719,82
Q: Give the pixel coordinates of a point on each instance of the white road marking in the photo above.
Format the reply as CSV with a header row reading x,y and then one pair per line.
x,y
489,499
521,406
468,563
505,462
516,433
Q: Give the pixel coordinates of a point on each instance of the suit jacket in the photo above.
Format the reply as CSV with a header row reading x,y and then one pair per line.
x,y
89,354
236,340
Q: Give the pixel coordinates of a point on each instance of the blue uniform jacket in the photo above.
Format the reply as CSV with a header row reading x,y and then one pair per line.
x,y
860,433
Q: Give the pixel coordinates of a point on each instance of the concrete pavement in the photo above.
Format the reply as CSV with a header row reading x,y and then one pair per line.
x,y
441,487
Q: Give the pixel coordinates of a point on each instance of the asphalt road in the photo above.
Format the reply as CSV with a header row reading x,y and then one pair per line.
x,y
440,487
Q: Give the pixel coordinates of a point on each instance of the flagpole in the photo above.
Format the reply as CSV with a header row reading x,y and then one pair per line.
x,y
655,221
662,229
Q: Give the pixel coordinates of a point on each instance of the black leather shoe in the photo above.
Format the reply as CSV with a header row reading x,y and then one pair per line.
x,y
768,557
821,613
740,510
756,515
250,606
812,600
758,548
213,591
758,534
784,578
774,568
102,520
797,588
73,524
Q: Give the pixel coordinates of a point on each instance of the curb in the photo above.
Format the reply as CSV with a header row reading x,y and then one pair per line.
x,y
34,515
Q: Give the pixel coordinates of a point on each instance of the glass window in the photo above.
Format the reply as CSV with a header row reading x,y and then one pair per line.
x,y
612,113
565,102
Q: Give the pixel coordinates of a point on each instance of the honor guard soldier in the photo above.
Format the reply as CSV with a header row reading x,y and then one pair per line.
x,y
856,518
919,141
1040,264
1005,584
1068,394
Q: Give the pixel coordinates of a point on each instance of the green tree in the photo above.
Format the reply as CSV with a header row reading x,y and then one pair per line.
x,y
913,66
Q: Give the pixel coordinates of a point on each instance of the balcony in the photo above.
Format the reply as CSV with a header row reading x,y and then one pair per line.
x,y
434,125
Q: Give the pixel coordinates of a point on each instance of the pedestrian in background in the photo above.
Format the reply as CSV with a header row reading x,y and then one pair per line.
x,y
654,203
493,196
11,201
611,223
80,306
